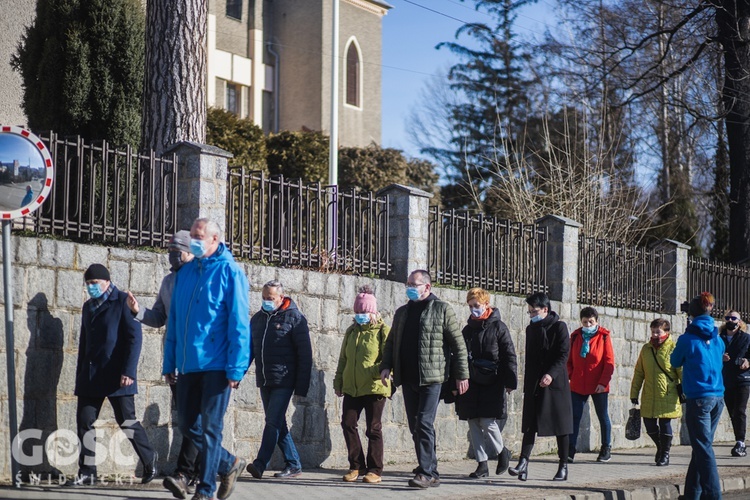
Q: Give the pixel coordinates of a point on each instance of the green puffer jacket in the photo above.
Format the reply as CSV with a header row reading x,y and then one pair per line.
x,y
440,340
659,398
358,371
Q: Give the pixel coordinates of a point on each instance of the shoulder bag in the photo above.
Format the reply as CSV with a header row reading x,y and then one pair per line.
x,y
678,386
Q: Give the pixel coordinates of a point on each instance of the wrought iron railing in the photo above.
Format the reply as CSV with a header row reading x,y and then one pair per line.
x,y
618,275
308,225
108,195
729,284
468,250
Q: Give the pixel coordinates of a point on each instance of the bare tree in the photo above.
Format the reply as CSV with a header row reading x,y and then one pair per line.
x,y
174,105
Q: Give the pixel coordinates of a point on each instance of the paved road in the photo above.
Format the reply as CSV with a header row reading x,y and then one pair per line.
x,y
630,474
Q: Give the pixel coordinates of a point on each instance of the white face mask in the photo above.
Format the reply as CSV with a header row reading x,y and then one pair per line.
x,y
477,311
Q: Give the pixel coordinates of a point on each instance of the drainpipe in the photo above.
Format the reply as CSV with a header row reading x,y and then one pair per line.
x,y
269,47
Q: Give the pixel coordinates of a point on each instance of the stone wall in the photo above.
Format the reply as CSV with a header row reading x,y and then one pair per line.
x,y
48,293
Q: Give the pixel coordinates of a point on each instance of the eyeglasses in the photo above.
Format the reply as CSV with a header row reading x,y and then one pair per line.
x,y
731,318
415,284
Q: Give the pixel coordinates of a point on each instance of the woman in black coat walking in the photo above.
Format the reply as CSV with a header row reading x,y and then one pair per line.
x,y
547,407
492,363
736,375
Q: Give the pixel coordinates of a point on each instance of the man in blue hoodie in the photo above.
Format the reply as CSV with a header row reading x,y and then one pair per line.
x,y
208,345
699,352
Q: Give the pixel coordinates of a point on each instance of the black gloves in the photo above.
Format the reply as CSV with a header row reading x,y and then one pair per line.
x,y
634,401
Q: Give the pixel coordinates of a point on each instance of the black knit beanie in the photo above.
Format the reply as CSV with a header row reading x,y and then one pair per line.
x,y
96,272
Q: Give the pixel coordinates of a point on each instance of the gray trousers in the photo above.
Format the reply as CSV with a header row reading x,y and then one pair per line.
x,y
483,431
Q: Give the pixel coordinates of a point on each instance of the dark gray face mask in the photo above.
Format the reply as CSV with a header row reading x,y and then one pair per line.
x,y
175,259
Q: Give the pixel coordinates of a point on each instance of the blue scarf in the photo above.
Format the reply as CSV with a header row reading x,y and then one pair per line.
x,y
585,344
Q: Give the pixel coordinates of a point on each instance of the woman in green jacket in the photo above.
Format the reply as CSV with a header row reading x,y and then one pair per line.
x,y
358,381
659,380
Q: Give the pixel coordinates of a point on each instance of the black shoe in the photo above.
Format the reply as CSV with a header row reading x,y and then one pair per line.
x,y
434,482
562,472
521,470
666,445
289,472
254,471
571,458
177,484
482,471
226,487
605,454
149,471
421,481
739,450
503,461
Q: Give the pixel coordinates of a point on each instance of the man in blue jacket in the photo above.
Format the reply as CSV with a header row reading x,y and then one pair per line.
x,y
208,345
699,352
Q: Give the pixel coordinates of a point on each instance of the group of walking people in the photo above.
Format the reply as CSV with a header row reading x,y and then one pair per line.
x,y
210,344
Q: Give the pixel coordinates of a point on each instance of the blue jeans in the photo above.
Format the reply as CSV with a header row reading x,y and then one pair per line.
x,y
702,417
275,403
601,405
420,403
202,399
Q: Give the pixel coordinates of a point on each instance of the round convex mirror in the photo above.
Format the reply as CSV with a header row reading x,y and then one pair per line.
x,y
25,172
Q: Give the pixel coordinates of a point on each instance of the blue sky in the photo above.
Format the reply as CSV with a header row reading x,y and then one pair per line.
x,y
411,30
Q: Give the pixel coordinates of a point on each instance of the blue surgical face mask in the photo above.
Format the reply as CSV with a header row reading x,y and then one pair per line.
x,y
362,318
198,247
268,305
536,318
95,291
476,312
412,292
589,329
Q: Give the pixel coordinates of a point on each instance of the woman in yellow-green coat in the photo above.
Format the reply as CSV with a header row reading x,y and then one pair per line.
x,y
358,381
660,402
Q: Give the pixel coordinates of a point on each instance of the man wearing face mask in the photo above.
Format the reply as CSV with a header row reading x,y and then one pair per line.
x,y
736,374
424,349
208,344
108,352
283,360
181,483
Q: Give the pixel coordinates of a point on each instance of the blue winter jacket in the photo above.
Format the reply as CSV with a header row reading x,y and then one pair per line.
x,y
699,352
208,327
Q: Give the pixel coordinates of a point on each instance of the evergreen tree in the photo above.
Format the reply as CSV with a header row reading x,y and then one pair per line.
x,y
82,67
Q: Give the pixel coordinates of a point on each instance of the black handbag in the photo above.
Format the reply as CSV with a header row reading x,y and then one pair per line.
x,y
633,425
678,386
483,371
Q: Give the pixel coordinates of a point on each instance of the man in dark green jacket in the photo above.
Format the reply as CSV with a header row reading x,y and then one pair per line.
x,y
424,349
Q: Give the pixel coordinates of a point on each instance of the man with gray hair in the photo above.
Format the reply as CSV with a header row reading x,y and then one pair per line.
x,y
208,344
283,360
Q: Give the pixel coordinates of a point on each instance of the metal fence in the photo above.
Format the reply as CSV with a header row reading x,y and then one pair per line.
x,y
729,284
618,275
308,225
108,195
478,251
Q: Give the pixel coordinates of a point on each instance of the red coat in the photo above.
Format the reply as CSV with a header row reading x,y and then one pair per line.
x,y
598,365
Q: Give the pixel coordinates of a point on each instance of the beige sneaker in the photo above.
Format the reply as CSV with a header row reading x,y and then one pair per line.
x,y
371,478
351,476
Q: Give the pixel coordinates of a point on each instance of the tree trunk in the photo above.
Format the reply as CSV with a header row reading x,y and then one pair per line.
x,y
733,18
174,104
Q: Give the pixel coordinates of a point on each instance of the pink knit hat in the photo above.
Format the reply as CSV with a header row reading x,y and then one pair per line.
x,y
365,301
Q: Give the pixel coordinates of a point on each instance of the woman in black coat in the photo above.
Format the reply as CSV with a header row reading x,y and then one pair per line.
x,y
492,363
736,375
547,407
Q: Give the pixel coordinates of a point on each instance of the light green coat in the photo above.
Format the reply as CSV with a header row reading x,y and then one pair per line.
x,y
659,397
358,371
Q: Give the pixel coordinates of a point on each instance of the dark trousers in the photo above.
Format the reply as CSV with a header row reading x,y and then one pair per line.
x,y
124,410
420,403
735,399
601,405
373,406
188,456
663,427
563,446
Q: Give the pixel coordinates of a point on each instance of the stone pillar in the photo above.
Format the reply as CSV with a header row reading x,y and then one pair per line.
x,y
562,257
408,231
201,183
675,273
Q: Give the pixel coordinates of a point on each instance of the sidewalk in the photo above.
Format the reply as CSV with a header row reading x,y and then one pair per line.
x,y
630,474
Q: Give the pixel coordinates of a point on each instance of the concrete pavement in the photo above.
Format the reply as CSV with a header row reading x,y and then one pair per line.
x,y
630,474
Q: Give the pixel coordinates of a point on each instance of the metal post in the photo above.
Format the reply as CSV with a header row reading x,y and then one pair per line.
x,y
333,155
10,351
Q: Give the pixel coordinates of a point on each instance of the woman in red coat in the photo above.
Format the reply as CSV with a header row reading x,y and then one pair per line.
x,y
591,363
